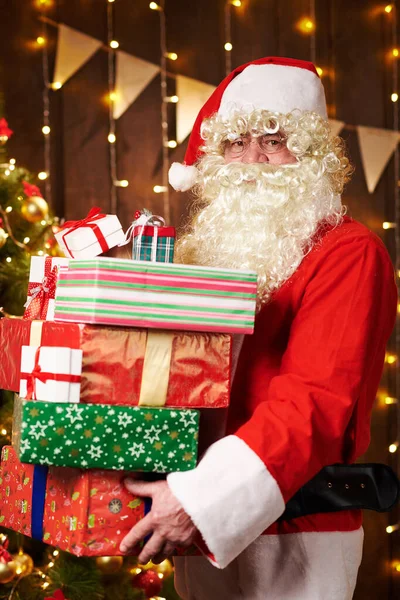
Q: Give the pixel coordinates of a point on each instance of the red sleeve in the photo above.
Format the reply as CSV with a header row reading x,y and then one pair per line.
x,y
335,354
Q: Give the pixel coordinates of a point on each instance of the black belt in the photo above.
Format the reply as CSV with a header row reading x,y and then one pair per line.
x,y
371,486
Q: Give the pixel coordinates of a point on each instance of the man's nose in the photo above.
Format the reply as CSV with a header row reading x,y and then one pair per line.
x,y
254,154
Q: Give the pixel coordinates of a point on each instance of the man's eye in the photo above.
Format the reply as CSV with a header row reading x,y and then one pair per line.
x,y
237,144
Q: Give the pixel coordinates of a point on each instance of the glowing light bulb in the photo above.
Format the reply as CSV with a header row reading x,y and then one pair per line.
x,y
12,161
388,225
51,564
11,167
391,358
171,55
46,129
41,41
228,46
391,528
7,172
236,3
319,71
111,138
121,183
390,400
114,44
395,52
3,431
111,1
9,209
306,26
173,99
393,447
43,222
171,144
394,97
27,240
45,585
8,259
40,253
388,8
56,552
56,85
154,6
42,175
159,189
113,96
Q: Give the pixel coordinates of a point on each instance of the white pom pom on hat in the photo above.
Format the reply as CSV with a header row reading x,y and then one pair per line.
x,y
273,83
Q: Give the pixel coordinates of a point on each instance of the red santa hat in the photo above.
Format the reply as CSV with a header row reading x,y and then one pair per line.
x,y
272,83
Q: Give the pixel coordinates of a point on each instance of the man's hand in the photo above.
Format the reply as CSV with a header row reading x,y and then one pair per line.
x,y
168,523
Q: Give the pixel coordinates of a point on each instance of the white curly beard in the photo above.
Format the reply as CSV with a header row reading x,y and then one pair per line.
x,y
258,217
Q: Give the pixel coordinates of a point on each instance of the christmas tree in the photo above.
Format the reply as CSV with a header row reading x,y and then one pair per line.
x,y
29,569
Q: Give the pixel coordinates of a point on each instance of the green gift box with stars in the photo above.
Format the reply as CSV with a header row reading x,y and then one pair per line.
x,y
99,436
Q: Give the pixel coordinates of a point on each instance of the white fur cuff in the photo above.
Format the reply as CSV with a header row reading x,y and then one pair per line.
x,y
230,496
182,177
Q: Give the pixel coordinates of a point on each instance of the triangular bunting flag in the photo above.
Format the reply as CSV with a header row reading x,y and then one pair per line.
x,y
376,147
132,76
192,95
336,126
73,50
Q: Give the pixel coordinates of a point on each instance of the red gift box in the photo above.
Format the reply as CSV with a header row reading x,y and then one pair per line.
x,y
113,360
87,513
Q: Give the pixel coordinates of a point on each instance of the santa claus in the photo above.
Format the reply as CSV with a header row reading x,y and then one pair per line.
x,y
267,176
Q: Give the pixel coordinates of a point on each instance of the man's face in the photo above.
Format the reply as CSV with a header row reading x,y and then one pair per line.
x,y
268,148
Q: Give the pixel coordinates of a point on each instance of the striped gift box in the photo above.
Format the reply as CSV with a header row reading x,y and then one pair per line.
x,y
144,240
111,291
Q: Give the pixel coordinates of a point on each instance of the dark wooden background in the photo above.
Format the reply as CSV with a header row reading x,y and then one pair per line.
x,y
352,41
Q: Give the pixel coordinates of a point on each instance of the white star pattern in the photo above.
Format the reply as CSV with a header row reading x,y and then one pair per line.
x,y
124,419
68,442
59,410
96,439
111,411
125,436
44,461
148,459
25,445
165,426
83,463
173,414
33,455
109,430
38,430
78,426
121,460
57,450
74,413
159,467
182,446
139,429
51,422
95,451
136,450
152,434
188,417
171,454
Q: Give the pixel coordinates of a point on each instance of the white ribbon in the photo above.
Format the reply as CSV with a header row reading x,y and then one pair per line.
x,y
145,220
36,291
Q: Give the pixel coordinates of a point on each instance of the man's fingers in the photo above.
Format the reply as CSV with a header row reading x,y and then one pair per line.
x,y
145,489
136,534
167,551
152,548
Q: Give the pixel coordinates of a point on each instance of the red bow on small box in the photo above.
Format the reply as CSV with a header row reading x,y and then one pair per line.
x,y
4,129
31,190
94,214
44,376
57,595
5,556
39,295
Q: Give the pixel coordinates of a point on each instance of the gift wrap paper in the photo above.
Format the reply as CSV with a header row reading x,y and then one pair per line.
x,y
50,373
101,436
113,362
111,291
147,246
42,286
87,513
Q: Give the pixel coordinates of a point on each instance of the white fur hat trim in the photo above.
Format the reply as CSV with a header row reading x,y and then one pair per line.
x,y
182,177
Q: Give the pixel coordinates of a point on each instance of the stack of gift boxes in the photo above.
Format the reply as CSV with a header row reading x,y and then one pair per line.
x,y
112,362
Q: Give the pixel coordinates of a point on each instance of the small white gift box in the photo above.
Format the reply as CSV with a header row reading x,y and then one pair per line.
x,y
42,287
49,373
91,236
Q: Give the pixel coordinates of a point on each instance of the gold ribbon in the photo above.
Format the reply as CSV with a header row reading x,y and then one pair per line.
x,y
156,368
35,337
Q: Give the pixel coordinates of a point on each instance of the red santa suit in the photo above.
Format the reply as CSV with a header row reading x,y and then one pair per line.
x,y
302,397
